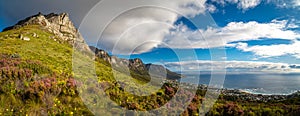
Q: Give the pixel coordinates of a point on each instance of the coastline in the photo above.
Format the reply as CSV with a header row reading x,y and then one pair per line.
x,y
244,95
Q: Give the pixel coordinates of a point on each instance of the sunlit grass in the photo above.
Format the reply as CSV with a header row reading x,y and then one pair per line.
x,y
55,54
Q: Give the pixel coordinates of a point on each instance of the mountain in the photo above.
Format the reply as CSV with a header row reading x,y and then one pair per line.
x,y
161,71
137,66
62,27
58,24
36,67
36,74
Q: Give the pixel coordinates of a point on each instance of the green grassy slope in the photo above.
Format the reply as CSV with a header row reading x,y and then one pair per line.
x,y
41,92
53,60
57,55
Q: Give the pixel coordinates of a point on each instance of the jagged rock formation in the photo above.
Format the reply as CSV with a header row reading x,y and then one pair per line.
x,y
101,54
58,24
136,65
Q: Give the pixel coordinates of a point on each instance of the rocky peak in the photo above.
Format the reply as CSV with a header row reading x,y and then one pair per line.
x,y
138,66
38,19
101,54
136,62
58,24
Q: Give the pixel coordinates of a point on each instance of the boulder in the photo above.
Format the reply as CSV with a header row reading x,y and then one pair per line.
x,y
35,35
26,38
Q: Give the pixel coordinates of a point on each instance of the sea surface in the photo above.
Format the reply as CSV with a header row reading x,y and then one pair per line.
x,y
275,84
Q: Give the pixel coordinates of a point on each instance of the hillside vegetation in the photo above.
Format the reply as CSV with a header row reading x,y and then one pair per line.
x,y
36,76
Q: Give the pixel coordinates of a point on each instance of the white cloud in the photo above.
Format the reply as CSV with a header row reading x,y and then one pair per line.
x,y
296,2
241,4
140,30
233,1
272,50
129,31
247,4
293,24
211,8
154,34
285,3
233,66
225,2
233,32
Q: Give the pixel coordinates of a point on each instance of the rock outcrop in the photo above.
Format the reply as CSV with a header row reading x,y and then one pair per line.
x,y
138,66
58,24
101,54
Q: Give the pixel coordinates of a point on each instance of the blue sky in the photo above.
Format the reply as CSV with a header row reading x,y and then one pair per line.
x,y
262,13
259,35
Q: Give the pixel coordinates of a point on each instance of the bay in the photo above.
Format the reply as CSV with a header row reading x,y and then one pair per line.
x,y
275,84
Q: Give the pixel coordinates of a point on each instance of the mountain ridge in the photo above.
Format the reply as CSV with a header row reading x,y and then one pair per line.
x,y
137,65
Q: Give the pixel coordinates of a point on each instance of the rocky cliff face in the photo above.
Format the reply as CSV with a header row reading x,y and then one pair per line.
x,y
58,24
101,54
137,65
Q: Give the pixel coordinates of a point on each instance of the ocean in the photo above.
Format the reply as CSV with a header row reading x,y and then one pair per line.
x,y
275,84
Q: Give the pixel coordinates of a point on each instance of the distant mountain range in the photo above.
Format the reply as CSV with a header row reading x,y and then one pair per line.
x,y
137,66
